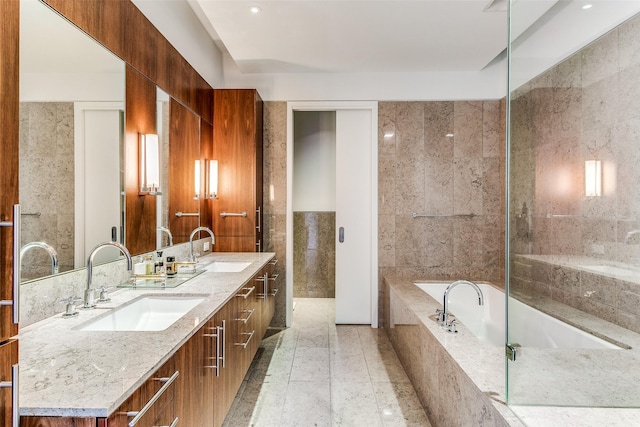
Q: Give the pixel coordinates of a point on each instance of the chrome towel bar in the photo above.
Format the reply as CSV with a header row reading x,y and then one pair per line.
x,y
226,214
421,215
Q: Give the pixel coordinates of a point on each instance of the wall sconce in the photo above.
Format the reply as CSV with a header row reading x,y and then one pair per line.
x,y
593,178
212,179
149,156
196,180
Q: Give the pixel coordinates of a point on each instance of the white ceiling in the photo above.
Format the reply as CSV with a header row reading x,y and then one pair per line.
x,y
321,36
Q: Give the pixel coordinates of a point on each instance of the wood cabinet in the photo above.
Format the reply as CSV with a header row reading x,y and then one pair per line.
x,y
8,359
203,376
237,145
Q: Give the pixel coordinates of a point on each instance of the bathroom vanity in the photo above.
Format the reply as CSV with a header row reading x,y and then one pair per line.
x,y
190,370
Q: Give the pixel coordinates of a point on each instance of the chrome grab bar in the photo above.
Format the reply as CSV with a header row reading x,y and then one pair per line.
x,y
246,343
17,226
246,319
226,214
422,215
249,291
139,414
15,401
38,214
181,214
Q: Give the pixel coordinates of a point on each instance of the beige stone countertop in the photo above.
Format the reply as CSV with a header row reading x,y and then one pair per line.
x,y
68,372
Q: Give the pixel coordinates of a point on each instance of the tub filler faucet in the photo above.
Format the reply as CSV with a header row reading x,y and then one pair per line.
x,y
443,315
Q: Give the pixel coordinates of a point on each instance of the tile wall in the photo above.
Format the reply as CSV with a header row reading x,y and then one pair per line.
x,y
314,254
421,170
46,184
585,108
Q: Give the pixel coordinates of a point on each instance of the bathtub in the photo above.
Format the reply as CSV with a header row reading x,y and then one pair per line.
x,y
527,326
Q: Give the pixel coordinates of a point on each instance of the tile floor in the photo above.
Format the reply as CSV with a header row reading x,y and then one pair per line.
x,y
317,373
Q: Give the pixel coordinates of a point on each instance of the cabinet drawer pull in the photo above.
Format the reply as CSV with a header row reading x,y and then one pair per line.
x,y
258,212
246,319
139,414
274,292
273,261
13,384
174,423
246,294
274,277
220,330
246,343
265,285
17,236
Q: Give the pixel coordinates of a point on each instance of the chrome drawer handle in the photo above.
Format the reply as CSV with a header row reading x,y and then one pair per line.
x,y
274,277
246,319
15,401
249,291
273,262
246,343
173,424
274,292
139,414
17,226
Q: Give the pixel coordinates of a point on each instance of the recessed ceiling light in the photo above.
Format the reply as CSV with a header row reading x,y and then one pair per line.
x,y
587,6
255,9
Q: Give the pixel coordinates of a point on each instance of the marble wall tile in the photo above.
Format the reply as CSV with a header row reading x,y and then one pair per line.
x,y
493,135
386,240
600,59
628,48
438,123
599,104
628,93
439,186
468,186
314,254
468,129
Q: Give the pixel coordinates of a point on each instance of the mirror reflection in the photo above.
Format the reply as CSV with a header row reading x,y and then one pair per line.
x,y
71,135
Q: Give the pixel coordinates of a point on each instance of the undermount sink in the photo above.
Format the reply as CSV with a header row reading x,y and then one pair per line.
x,y
145,313
227,266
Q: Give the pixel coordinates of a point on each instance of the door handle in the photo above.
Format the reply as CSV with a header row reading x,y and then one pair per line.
x,y
114,234
341,234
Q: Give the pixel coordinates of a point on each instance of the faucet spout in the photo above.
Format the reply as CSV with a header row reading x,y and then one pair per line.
x,y
166,230
192,257
47,247
88,293
445,313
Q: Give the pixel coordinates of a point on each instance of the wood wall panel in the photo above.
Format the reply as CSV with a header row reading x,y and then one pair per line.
x,y
8,358
184,134
140,110
124,30
9,140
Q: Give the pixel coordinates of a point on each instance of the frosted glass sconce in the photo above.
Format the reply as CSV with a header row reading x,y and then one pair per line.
x,y
593,178
149,155
212,179
196,180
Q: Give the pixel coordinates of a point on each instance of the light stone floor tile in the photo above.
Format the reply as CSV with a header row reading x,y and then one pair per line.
x,y
317,373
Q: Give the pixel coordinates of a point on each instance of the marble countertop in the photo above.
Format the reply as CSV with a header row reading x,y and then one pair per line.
x,y
68,372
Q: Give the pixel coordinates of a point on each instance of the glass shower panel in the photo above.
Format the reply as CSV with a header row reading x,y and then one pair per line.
x,y
574,203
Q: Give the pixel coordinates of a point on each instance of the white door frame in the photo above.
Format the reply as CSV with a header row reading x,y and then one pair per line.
x,y
333,106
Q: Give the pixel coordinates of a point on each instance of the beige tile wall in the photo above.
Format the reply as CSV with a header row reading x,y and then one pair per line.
x,y
314,255
420,170
46,184
585,108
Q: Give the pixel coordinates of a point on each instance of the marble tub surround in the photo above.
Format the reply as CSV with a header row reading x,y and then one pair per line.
x,y
604,289
458,379
544,377
68,372
40,299
314,253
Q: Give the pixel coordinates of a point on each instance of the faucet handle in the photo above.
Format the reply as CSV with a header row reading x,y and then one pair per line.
x,y
440,314
451,326
70,310
104,296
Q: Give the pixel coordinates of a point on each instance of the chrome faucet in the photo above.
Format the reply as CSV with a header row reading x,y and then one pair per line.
x,y
89,296
192,257
444,314
166,230
47,247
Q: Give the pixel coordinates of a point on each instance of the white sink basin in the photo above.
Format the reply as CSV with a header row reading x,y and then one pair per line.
x,y
146,313
227,266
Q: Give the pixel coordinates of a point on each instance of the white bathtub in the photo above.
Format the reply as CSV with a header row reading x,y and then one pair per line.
x,y
527,326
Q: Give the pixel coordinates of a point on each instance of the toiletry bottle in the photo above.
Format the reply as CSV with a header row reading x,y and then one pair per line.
x,y
148,264
170,266
158,265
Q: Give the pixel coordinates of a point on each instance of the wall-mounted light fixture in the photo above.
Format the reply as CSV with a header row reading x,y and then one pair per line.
x,y
149,156
196,180
593,178
211,179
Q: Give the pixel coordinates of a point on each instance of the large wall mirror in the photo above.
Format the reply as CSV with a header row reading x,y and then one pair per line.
x,y
72,94
72,136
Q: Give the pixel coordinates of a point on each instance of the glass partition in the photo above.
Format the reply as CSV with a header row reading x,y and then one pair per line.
x,y
574,204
